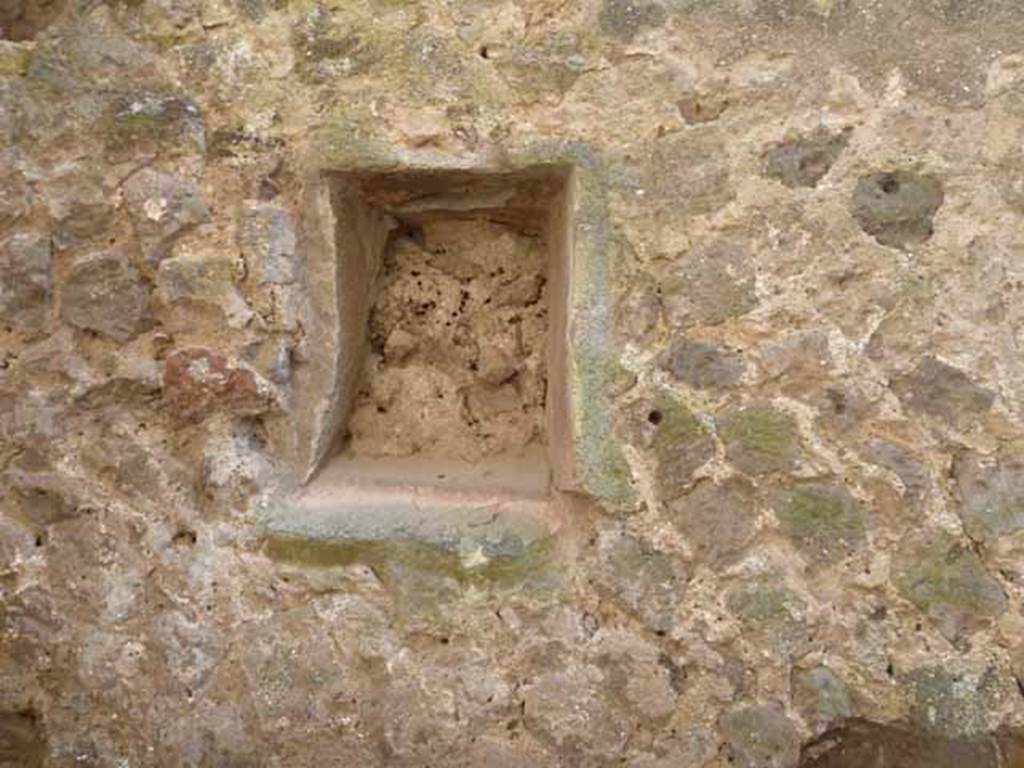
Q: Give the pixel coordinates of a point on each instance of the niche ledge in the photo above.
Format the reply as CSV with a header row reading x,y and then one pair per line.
x,y
439,320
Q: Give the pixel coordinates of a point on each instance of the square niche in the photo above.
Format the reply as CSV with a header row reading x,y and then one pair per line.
x,y
452,293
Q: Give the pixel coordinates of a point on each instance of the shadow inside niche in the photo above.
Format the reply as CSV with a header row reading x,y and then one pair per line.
x,y
25,19
858,743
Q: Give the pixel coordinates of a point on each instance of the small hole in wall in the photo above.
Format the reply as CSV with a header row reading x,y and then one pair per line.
x,y
23,20
40,540
654,417
185,537
484,53
890,185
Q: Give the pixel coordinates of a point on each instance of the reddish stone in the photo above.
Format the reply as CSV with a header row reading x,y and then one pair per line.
x,y
198,382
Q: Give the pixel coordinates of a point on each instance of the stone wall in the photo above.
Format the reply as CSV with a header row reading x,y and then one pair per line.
x,y
794,520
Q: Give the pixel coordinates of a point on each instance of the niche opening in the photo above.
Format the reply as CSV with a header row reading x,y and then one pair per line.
x,y
453,287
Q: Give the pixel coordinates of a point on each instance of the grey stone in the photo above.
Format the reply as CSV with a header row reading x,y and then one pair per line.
x,y
760,736
904,465
638,310
798,358
823,521
952,704
546,69
162,207
821,697
648,582
703,365
162,121
78,204
267,239
717,518
709,286
196,278
623,19
104,293
15,195
942,391
759,439
689,171
897,207
678,440
563,705
991,493
25,281
804,161
771,615
947,581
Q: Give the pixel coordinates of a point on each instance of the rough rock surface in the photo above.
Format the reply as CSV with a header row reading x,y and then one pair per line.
x,y
458,334
793,526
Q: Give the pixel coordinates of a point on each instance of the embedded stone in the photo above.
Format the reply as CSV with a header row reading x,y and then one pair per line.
x,y
638,309
680,443
759,439
771,615
804,161
78,204
942,391
897,208
623,19
760,736
161,121
689,171
703,365
162,208
198,278
821,697
991,493
717,518
648,582
563,704
709,287
823,521
15,194
799,359
266,237
104,293
947,581
198,382
952,704
546,69
911,472
25,281
325,49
